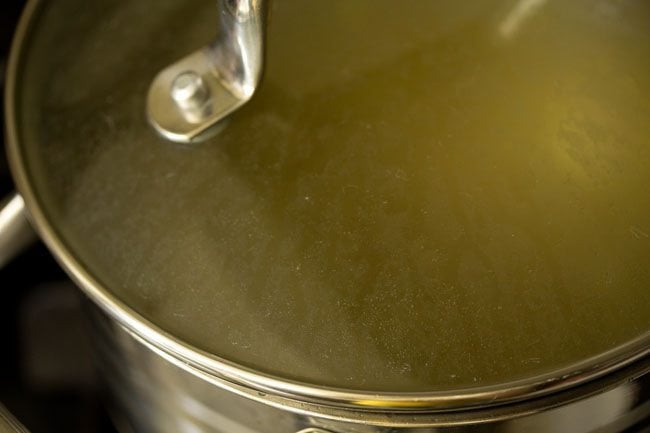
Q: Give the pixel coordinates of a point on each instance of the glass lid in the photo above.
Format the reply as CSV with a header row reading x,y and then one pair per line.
x,y
421,196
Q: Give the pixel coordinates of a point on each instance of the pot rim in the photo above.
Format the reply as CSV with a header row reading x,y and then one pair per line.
x,y
562,379
629,381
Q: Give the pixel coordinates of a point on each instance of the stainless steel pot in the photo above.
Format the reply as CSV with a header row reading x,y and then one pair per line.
x,y
161,393
162,382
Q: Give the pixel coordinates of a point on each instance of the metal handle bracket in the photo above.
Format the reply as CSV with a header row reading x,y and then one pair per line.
x,y
187,99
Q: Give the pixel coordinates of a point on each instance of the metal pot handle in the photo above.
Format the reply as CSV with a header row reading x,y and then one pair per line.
x,y
15,231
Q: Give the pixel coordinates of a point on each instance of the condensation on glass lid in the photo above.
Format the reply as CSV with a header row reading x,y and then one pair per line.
x,y
418,198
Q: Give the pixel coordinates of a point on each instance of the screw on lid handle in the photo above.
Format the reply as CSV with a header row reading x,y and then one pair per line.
x,y
189,97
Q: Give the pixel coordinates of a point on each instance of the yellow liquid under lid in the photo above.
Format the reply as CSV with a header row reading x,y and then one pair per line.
x,y
422,196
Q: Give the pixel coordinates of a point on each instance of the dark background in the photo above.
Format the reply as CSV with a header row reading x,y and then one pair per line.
x,y
46,375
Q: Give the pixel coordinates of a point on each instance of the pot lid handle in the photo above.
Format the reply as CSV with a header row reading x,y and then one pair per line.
x,y
188,98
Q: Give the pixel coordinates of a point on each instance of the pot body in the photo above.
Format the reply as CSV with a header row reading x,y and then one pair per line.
x,y
154,392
